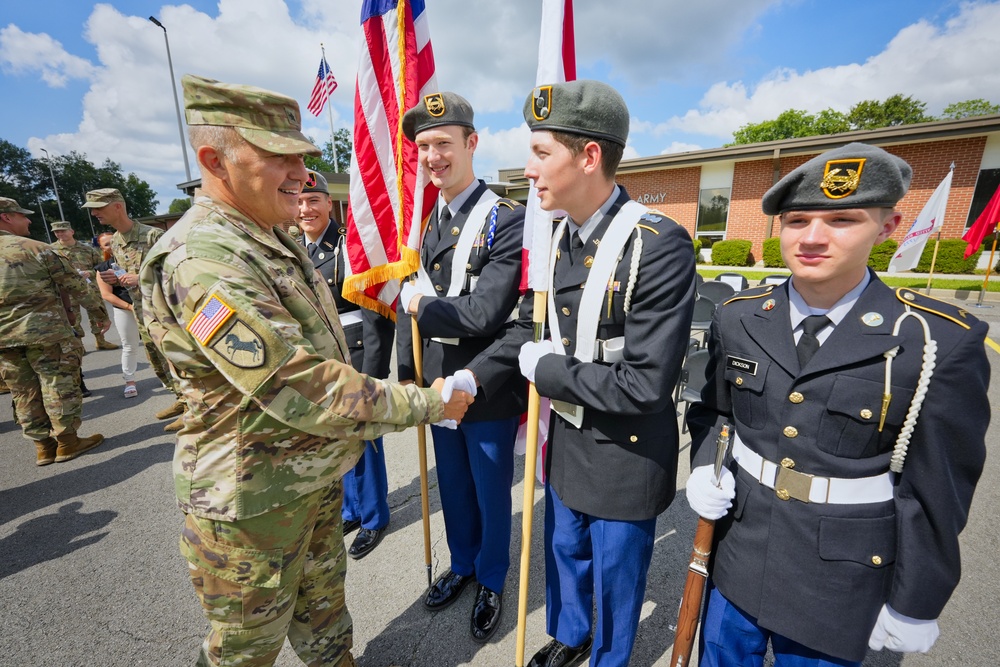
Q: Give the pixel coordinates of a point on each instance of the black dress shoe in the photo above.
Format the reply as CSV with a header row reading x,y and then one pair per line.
x,y
557,654
365,542
446,590
486,614
351,525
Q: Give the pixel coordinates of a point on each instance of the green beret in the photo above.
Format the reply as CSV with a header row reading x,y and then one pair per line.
x,y
267,120
316,182
8,205
854,176
589,108
435,110
61,225
102,197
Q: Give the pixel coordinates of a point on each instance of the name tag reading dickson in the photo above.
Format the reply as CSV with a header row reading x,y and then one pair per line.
x,y
743,365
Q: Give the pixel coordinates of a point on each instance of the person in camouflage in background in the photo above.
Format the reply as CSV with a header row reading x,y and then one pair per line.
x,y
129,245
39,354
277,413
83,257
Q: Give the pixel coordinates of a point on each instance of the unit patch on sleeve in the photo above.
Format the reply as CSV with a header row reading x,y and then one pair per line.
x,y
241,346
209,319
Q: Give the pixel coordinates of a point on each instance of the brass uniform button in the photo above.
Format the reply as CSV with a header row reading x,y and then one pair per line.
x,y
322,255
438,288
739,381
565,342
468,267
454,231
866,414
633,438
876,560
329,281
782,494
588,261
436,267
796,397
790,432
787,463
565,311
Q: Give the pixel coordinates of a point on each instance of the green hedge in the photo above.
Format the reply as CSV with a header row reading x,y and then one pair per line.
x,y
772,253
697,250
880,255
732,253
949,257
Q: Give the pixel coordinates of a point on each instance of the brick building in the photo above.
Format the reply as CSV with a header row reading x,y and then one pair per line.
x,y
715,193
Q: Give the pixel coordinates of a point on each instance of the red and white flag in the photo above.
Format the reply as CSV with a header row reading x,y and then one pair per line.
x,y
390,197
983,226
322,89
929,221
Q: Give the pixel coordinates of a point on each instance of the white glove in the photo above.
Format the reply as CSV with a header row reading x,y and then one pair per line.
x,y
464,380
902,633
530,353
406,293
449,386
707,499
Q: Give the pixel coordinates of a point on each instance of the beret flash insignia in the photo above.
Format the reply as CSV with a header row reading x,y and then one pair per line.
x,y
841,177
434,104
541,105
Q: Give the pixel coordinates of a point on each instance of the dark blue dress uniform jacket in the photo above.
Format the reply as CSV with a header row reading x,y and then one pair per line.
x,y
476,318
622,463
371,342
820,573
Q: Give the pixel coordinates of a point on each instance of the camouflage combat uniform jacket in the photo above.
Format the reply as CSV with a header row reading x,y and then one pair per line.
x,y
128,250
251,331
82,256
32,274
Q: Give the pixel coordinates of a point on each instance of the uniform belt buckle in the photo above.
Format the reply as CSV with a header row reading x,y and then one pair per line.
x,y
791,484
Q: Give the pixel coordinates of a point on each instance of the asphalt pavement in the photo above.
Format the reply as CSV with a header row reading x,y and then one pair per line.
x,y
90,572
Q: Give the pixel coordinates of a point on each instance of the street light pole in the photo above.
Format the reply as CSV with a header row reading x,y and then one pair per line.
x,y
55,188
177,104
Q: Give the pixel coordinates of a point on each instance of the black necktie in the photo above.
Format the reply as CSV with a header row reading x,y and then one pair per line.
x,y
575,246
445,218
808,343
311,247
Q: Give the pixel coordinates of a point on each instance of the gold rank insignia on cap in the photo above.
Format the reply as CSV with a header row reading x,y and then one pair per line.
x,y
541,105
434,104
841,177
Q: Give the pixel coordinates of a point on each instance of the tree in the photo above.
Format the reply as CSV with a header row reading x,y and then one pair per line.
x,y
342,137
179,205
895,110
791,124
970,108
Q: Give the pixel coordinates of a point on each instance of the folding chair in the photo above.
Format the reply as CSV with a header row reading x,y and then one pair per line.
x,y
716,291
693,378
735,280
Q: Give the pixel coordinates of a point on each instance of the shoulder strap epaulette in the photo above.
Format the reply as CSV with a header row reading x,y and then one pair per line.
x,y
509,203
751,293
948,311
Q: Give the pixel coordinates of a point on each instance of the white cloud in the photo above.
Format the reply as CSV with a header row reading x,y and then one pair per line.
x,y
26,53
680,147
501,149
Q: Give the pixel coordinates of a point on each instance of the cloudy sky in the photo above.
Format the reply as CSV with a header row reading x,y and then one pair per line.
x,y
93,77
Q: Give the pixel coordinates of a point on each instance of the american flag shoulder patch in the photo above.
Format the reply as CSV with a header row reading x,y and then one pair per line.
x,y
209,318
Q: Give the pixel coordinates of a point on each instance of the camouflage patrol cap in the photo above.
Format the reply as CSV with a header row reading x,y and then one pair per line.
x,y
588,108
435,110
8,205
316,182
61,226
266,119
853,176
102,197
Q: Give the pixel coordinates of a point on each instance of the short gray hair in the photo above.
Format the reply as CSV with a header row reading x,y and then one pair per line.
x,y
222,138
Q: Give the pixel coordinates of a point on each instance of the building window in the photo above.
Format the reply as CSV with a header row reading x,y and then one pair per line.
x,y
713,210
986,185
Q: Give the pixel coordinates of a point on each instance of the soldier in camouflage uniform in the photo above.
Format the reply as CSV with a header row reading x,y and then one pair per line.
x,y
129,245
277,413
39,355
83,257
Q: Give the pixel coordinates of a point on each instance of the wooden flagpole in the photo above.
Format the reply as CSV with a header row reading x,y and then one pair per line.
x,y
418,372
930,276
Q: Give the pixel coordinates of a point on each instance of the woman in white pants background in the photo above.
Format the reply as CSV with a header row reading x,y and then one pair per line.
x,y
128,329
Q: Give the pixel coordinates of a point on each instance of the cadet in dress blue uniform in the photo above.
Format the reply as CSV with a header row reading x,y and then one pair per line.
x,y
836,533
369,337
467,289
619,315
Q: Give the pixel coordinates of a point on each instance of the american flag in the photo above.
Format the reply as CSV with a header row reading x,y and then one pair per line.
x,y
390,197
209,318
325,85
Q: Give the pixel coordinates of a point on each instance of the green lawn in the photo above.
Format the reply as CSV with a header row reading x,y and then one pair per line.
x,y
970,284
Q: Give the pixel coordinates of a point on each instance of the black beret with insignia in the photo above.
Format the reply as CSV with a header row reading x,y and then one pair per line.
x,y
315,182
854,176
435,110
589,108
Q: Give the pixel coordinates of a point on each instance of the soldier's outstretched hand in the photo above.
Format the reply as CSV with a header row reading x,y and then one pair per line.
x,y
456,401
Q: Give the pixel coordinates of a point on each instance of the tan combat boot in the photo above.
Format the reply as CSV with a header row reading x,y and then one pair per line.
x,y
175,425
104,344
45,451
173,411
72,445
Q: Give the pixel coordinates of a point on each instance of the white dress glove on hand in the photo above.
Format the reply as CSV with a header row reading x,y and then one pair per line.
x,y
902,633
530,353
406,293
449,386
707,499
464,380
